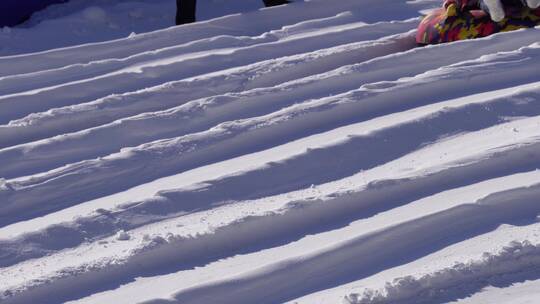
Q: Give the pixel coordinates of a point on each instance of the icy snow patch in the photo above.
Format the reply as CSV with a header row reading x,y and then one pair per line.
x,y
122,236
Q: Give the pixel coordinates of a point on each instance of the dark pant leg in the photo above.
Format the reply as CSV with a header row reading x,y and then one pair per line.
x,y
275,2
185,11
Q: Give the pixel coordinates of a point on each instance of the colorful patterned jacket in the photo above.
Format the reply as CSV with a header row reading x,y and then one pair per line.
x,y
464,5
449,24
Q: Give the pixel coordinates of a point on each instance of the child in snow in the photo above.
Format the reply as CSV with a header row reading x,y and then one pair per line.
x,y
495,8
185,9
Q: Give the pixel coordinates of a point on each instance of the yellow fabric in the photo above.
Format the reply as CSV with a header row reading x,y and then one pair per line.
x,y
451,10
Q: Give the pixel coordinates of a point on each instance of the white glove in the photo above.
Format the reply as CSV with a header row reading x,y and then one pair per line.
x,y
495,8
533,3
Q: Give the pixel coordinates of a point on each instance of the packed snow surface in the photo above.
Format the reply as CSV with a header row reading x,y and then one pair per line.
x,y
307,153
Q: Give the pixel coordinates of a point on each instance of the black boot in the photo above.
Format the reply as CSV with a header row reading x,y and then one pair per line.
x,y
268,3
185,11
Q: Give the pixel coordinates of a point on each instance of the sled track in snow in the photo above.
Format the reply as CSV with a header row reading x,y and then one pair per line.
x,y
319,157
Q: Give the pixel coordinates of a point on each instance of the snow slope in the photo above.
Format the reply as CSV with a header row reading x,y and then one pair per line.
x,y
308,153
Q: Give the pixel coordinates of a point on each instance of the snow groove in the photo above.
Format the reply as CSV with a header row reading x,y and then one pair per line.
x,y
107,109
311,271
179,154
516,258
486,114
155,72
258,75
310,15
355,167
158,253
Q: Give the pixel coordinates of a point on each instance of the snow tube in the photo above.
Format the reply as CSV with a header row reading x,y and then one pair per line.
x,y
13,12
447,25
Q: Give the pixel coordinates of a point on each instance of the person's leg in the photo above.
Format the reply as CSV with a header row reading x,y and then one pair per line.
x,y
268,3
185,11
